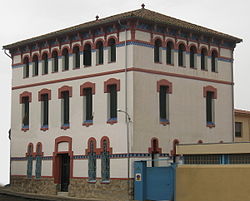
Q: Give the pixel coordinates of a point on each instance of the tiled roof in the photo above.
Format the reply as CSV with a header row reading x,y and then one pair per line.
x,y
142,13
241,112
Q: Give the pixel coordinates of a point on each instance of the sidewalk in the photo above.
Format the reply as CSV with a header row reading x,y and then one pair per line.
x,y
31,196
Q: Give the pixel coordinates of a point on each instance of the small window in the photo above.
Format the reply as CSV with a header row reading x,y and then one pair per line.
x,y
105,162
170,53
87,55
203,59
92,162
38,161
25,112
76,57
238,129
99,53
35,65
29,161
214,61
193,57
54,61
210,107
65,59
112,102
111,50
88,105
157,51
164,103
45,110
45,64
181,55
26,67
65,108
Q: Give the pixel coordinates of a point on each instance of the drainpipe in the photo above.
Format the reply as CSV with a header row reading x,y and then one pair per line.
x,y
126,105
232,78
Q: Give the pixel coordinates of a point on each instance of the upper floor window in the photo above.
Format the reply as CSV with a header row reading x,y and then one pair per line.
x,y
76,57
181,55
214,61
193,57
99,52
45,109
210,93
87,55
111,50
45,64
238,129
157,51
170,53
54,61
25,112
35,65
26,67
203,59
65,59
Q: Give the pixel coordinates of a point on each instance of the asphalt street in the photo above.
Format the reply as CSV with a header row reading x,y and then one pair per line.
x,y
13,198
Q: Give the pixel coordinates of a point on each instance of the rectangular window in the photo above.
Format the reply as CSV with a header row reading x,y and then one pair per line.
x,y
65,108
26,70
238,129
163,103
25,115
210,107
112,101
45,110
88,104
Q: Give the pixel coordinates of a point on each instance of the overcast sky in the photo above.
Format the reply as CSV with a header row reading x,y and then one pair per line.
x,y
22,19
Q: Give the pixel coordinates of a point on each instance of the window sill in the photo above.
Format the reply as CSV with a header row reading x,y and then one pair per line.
x,y
170,64
99,64
86,66
25,128
44,73
55,72
110,62
112,121
105,182
65,126
158,62
194,68
76,68
182,66
87,123
65,70
34,75
204,69
44,128
164,122
210,124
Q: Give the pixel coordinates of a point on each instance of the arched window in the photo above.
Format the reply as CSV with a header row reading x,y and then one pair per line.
x,y
92,161
170,53
45,66
214,61
193,57
105,161
26,67
65,59
76,57
181,55
38,160
54,61
99,52
87,55
157,51
29,160
203,59
35,65
111,50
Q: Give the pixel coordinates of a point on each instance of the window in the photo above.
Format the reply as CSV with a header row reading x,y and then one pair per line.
x,y
87,55
76,57
164,103
99,53
25,112
92,161
157,51
210,107
26,67
238,129
35,65
65,108
45,110
88,104
105,162
203,59
181,55
112,102
214,61
38,160
170,53
65,59
193,57
45,65
54,61
111,50
29,160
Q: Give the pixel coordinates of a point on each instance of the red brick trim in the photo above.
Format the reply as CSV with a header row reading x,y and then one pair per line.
x,y
45,52
154,149
214,50
88,43
97,41
87,151
109,149
87,85
200,142
25,94
210,89
203,48
111,81
34,55
164,83
37,153
24,58
181,43
112,37
55,49
175,143
65,47
56,158
30,152
192,45
44,91
158,38
64,88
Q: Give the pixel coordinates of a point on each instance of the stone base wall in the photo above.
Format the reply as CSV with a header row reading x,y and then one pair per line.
x,y
115,190
41,186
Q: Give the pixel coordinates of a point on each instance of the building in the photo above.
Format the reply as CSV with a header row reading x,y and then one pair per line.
x,y
89,100
242,125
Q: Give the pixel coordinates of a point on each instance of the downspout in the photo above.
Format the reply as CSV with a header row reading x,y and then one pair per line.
x,y
232,78
126,105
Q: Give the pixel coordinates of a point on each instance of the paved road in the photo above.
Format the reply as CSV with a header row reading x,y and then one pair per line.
x,y
13,198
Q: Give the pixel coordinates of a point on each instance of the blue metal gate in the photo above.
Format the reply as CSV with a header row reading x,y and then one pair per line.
x,y
154,183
